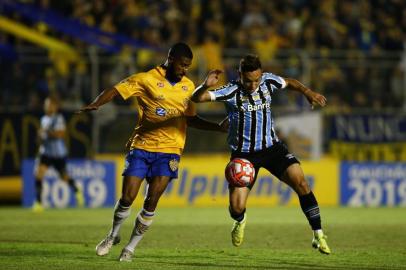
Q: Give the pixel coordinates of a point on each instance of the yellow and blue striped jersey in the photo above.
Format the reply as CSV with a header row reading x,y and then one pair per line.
x,y
162,108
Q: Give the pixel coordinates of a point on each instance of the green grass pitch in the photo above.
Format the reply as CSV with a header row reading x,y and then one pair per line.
x,y
199,238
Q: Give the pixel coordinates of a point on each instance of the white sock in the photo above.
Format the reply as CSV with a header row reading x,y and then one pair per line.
x,y
120,214
142,223
318,232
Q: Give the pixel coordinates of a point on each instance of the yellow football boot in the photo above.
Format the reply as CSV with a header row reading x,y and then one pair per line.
x,y
237,233
37,207
319,242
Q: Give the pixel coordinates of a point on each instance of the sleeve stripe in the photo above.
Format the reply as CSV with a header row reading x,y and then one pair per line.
x,y
227,96
284,84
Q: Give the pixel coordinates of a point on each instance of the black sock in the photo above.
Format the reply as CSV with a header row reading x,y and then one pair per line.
x,y
38,189
311,209
73,185
236,216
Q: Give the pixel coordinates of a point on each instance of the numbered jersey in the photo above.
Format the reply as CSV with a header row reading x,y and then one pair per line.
x,y
162,110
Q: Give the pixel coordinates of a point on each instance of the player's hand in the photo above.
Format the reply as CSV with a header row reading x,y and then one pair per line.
x,y
88,108
212,78
316,99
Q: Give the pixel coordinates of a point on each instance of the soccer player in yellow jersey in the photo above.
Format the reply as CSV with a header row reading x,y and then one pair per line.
x,y
165,110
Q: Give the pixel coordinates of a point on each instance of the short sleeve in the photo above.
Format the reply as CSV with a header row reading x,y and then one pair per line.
x,y
131,86
223,93
276,81
191,107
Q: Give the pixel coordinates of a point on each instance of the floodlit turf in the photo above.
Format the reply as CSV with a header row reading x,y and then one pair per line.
x,y
199,238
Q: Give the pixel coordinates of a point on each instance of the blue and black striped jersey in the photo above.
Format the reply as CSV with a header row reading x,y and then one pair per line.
x,y
250,115
52,147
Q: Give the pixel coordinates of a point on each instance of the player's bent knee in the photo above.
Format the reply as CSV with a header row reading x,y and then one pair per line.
x,y
151,202
237,209
127,200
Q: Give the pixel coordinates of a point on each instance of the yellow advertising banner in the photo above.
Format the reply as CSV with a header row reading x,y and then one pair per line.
x,y
201,182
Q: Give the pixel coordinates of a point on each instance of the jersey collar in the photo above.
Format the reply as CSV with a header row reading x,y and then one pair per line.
x,y
245,93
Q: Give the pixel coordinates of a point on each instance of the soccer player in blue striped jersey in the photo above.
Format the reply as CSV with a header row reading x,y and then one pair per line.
x,y
251,135
52,152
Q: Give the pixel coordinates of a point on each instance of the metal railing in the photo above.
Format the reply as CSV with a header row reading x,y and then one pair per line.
x,y
378,79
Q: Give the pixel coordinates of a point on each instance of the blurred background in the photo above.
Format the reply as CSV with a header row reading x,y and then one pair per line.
x,y
353,52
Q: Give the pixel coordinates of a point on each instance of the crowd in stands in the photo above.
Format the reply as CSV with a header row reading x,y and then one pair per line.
x,y
352,51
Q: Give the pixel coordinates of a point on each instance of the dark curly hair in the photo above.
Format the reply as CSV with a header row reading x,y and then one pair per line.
x,y
250,62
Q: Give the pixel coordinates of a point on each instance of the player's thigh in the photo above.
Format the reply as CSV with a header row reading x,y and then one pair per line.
x,y
60,166
42,164
294,177
40,171
131,186
156,187
277,159
238,197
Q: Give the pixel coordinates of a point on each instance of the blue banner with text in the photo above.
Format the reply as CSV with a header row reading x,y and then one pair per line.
x,y
373,184
95,178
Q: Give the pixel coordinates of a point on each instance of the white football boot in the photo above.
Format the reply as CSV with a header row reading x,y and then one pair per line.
x,y
103,248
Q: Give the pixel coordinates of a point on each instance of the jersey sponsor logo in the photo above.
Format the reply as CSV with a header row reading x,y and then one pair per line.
x,y
257,107
160,84
167,112
256,97
173,164
290,156
160,111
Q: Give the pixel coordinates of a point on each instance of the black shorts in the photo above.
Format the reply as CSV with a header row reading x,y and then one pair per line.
x,y
59,164
276,159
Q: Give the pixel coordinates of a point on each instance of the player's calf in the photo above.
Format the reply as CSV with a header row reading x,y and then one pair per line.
x,y
142,224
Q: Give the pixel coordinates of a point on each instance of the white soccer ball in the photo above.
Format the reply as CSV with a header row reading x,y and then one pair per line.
x,y
240,172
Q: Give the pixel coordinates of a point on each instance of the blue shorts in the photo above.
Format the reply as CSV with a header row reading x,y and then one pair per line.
x,y
144,164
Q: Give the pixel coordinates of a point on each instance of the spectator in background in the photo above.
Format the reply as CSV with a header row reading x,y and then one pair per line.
x,y
357,27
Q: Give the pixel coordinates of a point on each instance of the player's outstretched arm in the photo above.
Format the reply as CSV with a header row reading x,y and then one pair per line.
x,y
200,123
201,94
103,98
313,97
